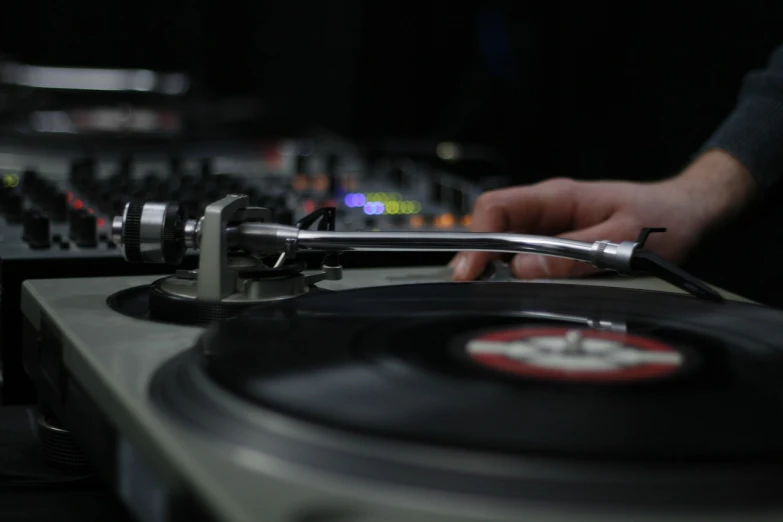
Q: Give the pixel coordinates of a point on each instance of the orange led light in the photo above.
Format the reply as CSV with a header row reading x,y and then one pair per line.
x,y
466,220
299,183
445,221
417,221
448,220
320,183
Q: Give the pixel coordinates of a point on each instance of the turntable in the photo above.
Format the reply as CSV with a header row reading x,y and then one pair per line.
x,y
263,386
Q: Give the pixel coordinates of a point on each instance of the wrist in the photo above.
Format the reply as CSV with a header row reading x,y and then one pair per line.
x,y
718,186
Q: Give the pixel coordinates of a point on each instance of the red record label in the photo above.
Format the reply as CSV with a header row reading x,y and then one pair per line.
x,y
574,354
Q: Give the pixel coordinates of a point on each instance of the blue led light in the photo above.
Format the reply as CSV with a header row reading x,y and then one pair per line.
x,y
354,199
374,208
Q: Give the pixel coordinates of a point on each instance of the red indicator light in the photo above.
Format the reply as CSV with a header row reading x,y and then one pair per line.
x,y
78,204
101,222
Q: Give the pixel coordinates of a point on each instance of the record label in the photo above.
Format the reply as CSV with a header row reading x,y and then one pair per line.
x,y
573,354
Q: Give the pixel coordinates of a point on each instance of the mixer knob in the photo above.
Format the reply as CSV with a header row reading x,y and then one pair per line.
x,y
164,242
29,179
36,229
57,206
83,229
73,215
38,189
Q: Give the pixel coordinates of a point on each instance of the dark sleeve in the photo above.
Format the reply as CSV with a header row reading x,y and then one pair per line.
x,y
753,132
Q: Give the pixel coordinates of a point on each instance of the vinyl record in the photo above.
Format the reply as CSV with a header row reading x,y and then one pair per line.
x,y
543,370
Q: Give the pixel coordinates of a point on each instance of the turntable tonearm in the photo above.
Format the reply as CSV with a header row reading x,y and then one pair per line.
x,y
234,239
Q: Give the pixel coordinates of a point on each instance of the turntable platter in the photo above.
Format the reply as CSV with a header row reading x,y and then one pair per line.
x,y
555,370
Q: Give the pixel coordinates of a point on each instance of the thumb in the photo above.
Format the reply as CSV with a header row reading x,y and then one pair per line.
x,y
534,266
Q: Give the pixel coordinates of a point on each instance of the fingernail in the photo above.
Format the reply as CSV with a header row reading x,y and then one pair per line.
x,y
454,261
543,263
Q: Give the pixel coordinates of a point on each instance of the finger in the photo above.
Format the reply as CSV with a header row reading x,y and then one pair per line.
x,y
544,208
527,266
489,215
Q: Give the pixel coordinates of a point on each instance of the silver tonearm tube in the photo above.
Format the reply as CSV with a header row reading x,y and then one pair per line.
x,y
269,238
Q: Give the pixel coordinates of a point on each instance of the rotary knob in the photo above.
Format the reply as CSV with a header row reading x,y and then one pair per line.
x,y
35,229
83,229
151,232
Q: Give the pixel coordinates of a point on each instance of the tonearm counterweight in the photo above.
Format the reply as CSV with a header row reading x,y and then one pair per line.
x,y
158,233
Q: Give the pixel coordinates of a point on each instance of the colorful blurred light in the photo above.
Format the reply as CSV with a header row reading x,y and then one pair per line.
x,y
354,200
375,203
373,208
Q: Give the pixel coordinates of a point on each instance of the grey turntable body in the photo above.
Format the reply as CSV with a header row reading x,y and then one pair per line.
x,y
113,357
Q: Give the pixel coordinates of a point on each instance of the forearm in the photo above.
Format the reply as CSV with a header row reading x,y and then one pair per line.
x,y
753,132
718,185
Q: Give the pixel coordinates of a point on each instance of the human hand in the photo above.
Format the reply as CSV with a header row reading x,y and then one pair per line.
x,y
712,190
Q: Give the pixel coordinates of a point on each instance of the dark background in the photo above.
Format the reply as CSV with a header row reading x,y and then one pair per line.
x,y
582,89
590,90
